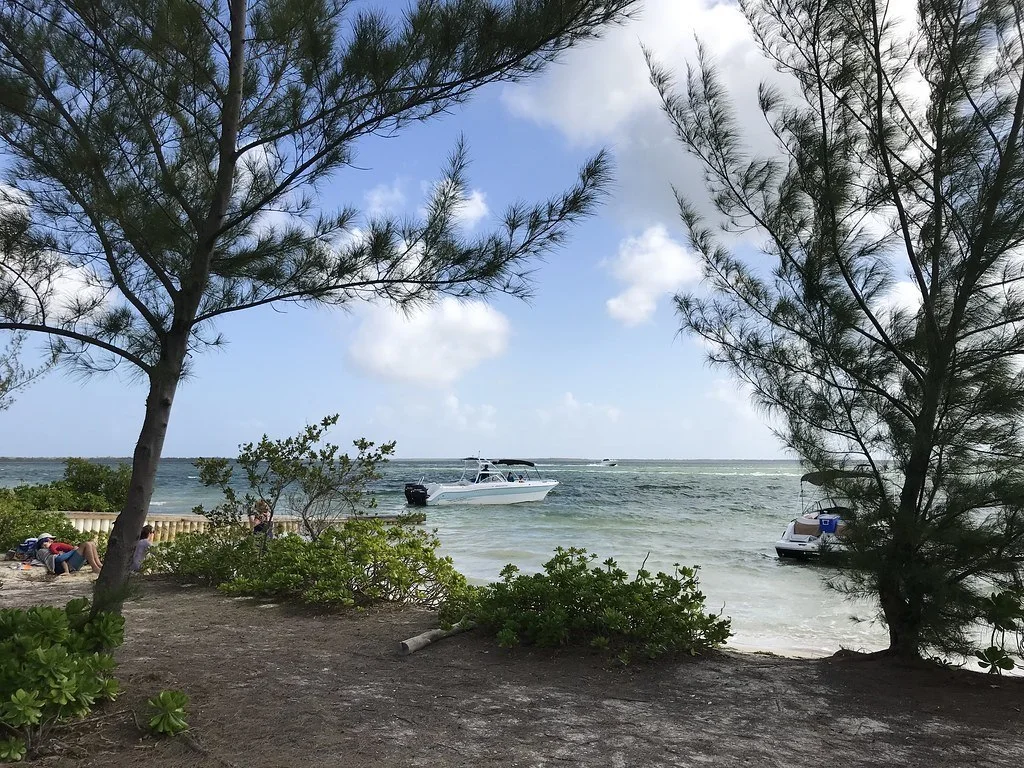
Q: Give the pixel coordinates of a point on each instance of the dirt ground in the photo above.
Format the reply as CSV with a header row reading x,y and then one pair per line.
x,y
272,686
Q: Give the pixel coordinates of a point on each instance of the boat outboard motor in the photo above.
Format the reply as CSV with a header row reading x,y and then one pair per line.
x,y
416,494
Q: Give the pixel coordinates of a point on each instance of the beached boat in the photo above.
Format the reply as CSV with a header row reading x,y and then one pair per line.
x,y
820,525
484,481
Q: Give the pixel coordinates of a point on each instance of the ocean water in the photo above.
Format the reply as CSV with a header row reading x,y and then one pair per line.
x,y
721,515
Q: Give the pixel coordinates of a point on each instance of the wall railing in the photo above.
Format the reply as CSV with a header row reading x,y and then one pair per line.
x,y
166,527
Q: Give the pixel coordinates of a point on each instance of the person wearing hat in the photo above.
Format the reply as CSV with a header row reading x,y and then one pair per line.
x,y
60,558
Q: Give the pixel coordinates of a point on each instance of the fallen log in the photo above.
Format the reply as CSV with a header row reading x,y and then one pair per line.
x,y
421,641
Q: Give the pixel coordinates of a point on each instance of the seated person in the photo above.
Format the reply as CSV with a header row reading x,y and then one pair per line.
x,y
259,519
60,557
142,548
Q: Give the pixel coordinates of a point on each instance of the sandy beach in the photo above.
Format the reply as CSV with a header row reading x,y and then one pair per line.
x,y
272,686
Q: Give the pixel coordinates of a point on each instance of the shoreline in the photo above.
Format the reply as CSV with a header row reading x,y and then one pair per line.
x,y
335,685
21,584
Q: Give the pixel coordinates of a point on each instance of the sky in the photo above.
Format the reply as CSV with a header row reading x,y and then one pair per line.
x,y
593,366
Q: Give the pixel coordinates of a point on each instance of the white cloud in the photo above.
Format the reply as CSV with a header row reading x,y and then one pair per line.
x,y
737,396
569,410
13,200
469,211
75,285
600,94
904,296
602,88
384,199
480,418
433,345
472,209
652,266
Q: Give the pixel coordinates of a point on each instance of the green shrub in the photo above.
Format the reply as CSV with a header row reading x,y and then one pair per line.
x,y
19,522
169,713
87,478
85,487
571,603
363,562
211,558
54,666
1003,612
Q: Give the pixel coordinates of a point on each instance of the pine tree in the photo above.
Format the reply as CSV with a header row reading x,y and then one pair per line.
x,y
899,167
151,138
18,247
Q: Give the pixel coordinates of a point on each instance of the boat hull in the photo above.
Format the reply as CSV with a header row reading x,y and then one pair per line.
x,y
489,493
805,546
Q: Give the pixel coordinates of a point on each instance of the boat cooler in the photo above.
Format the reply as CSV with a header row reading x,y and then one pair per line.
x,y
829,524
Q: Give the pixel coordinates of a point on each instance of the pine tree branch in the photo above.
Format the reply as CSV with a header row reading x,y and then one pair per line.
x,y
58,104
80,337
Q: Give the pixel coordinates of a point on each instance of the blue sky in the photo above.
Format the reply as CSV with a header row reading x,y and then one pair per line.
x,y
592,366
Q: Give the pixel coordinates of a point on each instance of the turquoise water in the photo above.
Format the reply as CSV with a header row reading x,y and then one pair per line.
x,y
722,515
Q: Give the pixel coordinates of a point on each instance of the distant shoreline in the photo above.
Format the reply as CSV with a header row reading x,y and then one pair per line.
x,y
411,459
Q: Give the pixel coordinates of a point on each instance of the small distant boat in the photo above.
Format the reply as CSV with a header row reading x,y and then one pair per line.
x,y
484,481
608,462
820,525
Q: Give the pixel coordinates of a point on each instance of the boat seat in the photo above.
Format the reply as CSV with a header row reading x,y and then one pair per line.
x,y
803,526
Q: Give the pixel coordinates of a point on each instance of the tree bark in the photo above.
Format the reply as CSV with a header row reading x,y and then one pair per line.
x,y
110,591
111,587
899,595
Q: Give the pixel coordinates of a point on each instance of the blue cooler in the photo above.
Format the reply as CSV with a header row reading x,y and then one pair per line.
x,y
829,524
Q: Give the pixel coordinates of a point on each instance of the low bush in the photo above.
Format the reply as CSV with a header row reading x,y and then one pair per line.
x,y
571,603
19,522
86,487
211,558
169,713
55,666
363,562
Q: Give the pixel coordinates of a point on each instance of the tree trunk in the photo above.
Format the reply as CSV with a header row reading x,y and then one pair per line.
x,y
110,591
904,631
111,587
900,599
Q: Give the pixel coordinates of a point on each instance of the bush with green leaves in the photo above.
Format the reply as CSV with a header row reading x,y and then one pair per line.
x,y
55,666
18,522
571,603
87,486
1003,612
210,558
363,562
301,475
169,713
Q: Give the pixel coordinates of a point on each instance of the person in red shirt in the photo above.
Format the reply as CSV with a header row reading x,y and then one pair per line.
x,y
61,558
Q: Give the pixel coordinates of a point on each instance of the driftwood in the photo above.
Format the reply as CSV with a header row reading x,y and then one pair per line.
x,y
421,641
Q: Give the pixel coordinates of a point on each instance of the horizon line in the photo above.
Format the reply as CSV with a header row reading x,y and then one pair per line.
x,y
128,459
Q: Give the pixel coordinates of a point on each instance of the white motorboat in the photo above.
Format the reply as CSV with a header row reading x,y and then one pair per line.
x,y
484,481
820,526
815,530
608,462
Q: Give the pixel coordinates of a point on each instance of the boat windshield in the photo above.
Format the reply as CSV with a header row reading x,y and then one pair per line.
x,y
498,471
828,507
